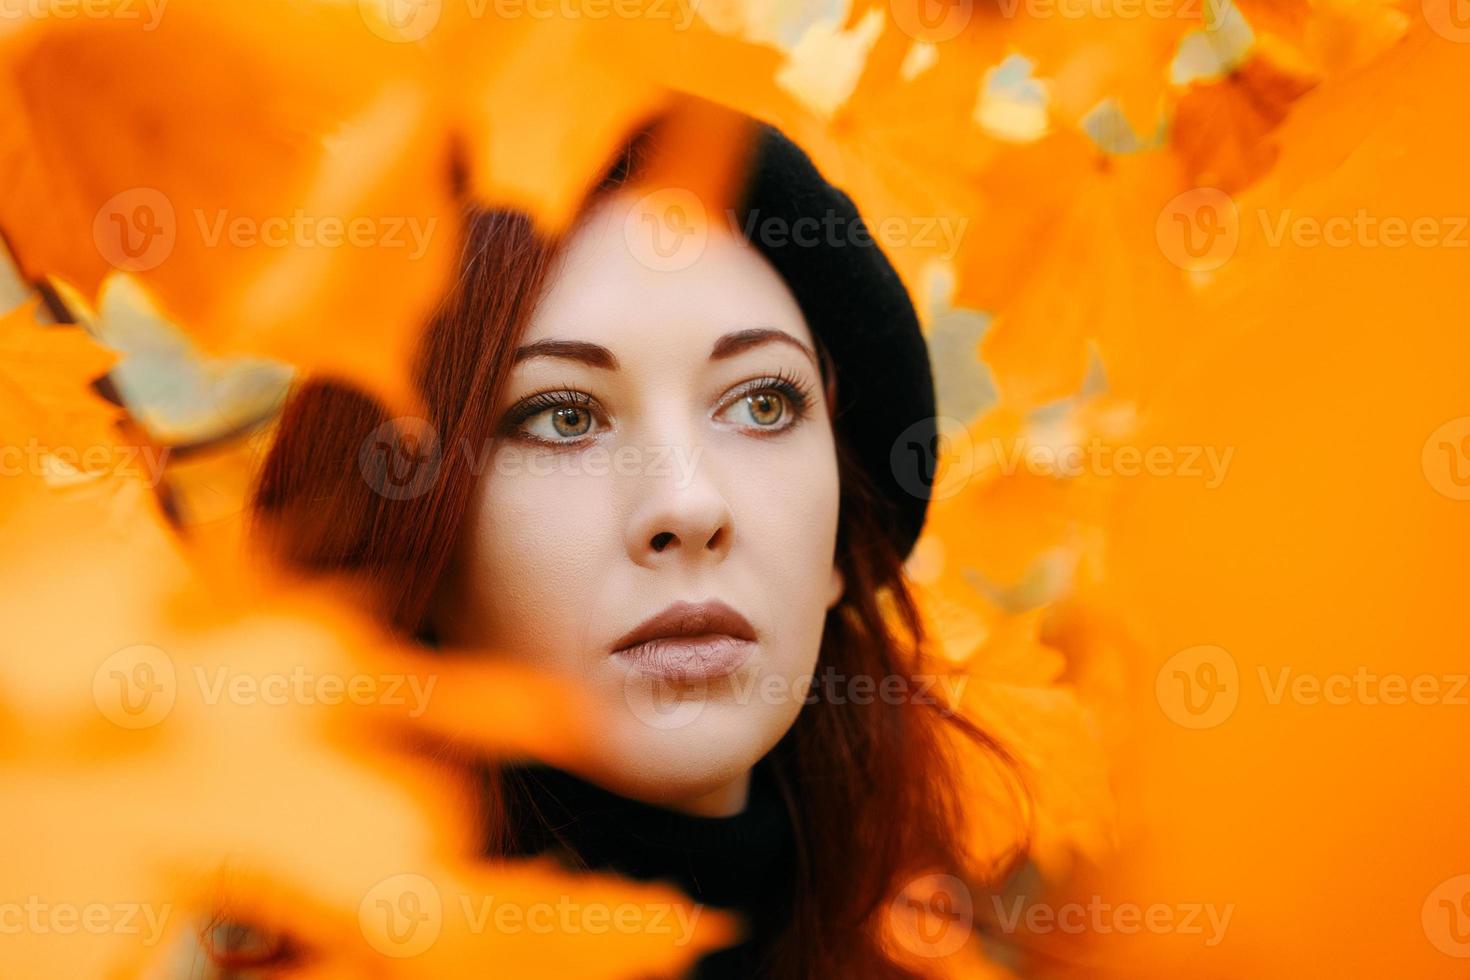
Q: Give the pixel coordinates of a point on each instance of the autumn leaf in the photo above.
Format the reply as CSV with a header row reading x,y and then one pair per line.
x,y
1098,265
46,373
265,171
222,732
1221,128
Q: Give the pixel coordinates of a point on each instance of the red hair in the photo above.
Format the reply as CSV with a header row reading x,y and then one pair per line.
x,y
894,813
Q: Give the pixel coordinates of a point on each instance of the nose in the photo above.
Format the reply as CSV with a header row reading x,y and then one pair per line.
x,y
683,518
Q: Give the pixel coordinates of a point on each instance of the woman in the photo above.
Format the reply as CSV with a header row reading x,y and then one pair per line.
x,y
690,486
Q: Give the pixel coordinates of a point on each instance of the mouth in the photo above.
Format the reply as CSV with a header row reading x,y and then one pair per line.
x,y
688,642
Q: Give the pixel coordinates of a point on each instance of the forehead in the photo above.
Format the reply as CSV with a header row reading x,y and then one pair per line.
x,y
612,287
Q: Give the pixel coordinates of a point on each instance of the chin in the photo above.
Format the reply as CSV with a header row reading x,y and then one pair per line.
x,y
700,758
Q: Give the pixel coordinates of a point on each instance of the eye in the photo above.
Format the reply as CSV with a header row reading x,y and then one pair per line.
x,y
765,407
773,403
560,416
240,946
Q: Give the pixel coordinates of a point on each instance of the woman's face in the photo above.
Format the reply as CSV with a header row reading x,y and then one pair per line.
x,y
674,461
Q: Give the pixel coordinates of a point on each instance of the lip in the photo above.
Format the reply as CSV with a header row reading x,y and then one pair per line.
x,y
689,641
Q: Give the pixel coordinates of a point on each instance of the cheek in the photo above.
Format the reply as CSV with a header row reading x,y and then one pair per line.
x,y
535,552
789,514
788,505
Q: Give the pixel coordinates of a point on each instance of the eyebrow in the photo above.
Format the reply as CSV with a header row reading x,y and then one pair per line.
x,y
598,356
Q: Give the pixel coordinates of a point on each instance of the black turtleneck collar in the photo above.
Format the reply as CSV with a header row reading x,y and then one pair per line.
x,y
743,863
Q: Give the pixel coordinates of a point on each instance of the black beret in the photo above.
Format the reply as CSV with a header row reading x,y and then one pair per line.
x,y
857,307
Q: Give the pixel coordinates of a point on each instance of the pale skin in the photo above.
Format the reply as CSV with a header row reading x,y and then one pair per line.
x,y
669,478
